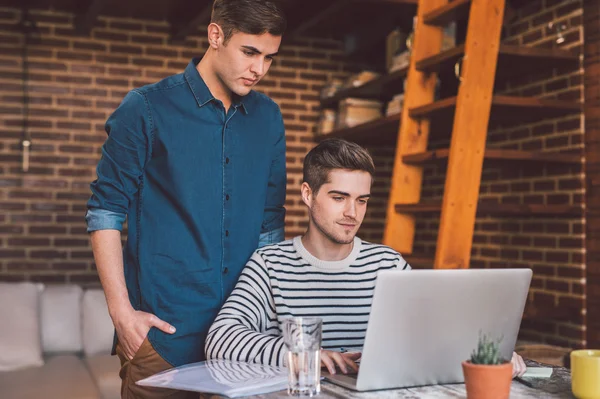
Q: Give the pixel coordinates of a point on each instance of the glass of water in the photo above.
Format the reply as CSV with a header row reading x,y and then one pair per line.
x,y
302,337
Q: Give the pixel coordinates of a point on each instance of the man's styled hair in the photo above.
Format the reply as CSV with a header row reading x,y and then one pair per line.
x,y
253,17
335,154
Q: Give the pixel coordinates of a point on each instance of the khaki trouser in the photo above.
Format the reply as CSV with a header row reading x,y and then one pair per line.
x,y
145,363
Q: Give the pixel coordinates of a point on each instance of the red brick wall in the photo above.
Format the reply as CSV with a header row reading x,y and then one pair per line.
x,y
76,82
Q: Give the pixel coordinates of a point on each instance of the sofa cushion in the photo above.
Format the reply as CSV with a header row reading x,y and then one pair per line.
x,y
61,318
62,377
105,372
20,342
98,330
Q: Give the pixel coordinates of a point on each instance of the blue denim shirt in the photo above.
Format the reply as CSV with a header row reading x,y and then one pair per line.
x,y
199,187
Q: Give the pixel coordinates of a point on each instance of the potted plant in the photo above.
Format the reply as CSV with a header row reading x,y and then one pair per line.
x,y
487,374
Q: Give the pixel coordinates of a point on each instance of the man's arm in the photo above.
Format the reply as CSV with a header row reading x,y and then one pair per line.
x,y
272,229
243,330
123,158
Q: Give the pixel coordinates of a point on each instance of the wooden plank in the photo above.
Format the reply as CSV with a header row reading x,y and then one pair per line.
x,y
506,109
453,11
528,60
441,61
376,132
434,156
381,88
413,134
498,209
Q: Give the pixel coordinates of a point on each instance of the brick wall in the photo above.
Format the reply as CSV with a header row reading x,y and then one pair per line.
x,y
552,246
76,82
591,23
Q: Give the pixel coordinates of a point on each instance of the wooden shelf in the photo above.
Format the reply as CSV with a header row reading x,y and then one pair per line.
x,y
453,11
384,130
497,209
441,155
382,88
512,60
505,109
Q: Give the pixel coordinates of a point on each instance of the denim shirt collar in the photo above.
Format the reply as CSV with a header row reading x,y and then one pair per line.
x,y
200,89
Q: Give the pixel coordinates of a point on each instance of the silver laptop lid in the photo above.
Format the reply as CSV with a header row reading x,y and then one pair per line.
x,y
424,323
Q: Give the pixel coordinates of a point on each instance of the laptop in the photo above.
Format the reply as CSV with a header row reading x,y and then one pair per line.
x,y
424,323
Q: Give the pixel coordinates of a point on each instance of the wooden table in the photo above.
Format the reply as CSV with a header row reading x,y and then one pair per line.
x,y
557,386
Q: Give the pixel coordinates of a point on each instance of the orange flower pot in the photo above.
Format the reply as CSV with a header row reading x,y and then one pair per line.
x,y
487,381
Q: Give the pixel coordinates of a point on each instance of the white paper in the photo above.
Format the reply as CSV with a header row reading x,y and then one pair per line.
x,y
223,377
538,372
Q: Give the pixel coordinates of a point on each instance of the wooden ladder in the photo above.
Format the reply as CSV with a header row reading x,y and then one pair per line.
x,y
470,112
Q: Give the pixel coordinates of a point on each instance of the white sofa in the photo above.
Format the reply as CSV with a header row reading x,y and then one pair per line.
x,y
55,342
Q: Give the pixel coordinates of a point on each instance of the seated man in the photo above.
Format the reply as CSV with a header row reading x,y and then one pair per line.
x,y
328,272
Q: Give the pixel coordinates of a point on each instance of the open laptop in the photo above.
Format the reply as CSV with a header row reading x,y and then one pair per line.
x,y
424,323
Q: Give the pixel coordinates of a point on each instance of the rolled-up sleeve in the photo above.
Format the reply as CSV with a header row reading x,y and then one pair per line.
x,y
120,170
274,214
101,219
271,237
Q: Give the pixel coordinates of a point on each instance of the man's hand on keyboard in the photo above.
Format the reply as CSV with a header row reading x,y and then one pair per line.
x,y
346,362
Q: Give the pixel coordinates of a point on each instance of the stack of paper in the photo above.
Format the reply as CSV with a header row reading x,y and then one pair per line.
x,y
223,377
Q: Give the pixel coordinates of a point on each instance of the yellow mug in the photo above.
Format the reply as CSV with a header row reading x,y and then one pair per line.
x,y
585,374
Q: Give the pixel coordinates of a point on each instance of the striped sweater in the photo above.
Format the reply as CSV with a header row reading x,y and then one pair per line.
x,y
285,280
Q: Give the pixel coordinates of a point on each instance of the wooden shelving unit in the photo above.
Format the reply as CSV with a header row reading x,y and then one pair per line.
x,y
465,122
505,109
529,59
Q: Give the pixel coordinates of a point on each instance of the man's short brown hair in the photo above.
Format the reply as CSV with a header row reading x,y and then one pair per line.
x,y
253,17
335,154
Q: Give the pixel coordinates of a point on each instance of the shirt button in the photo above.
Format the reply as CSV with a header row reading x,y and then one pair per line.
x,y
227,197
225,271
226,233
226,160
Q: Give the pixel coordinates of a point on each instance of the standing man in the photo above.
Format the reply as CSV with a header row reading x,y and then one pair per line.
x,y
196,163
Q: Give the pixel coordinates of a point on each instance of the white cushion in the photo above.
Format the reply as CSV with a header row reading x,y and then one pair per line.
x,y
98,330
20,342
61,318
62,377
105,372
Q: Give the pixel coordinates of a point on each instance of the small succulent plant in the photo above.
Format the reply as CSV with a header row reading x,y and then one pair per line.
x,y
487,352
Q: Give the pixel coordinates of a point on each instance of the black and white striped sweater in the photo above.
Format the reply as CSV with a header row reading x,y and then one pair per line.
x,y
285,280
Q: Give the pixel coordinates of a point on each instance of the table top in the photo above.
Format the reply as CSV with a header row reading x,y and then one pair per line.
x,y
557,386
